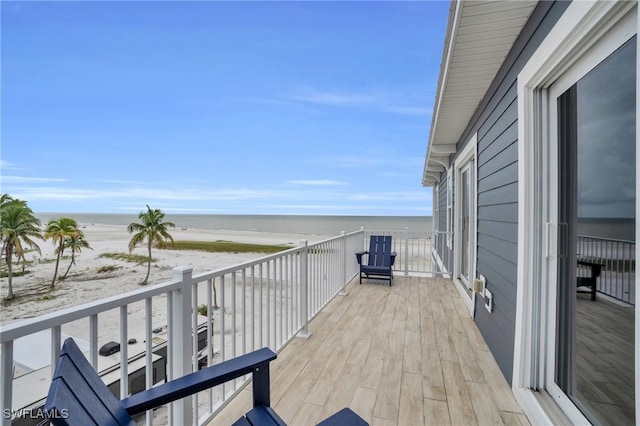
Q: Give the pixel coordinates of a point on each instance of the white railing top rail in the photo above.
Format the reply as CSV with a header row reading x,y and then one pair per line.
x,y
607,239
14,330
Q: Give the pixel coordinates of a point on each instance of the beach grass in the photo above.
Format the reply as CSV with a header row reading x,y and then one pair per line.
x,y
108,268
222,246
4,272
132,258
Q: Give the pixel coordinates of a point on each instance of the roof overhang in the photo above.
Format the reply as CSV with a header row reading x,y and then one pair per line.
x,y
479,36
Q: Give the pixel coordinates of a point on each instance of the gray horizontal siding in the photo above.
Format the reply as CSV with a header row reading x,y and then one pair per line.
x,y
504,158
504,194
498,200
497,179
498,213
501,142
504,231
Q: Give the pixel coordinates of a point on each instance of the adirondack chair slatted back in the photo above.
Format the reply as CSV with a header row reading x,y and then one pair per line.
x,y
380,251
78,396
380,259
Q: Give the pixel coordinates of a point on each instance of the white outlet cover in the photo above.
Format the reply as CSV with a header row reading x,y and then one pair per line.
x,y
488,300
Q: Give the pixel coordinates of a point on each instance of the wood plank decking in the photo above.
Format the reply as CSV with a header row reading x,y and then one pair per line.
x,y
605,360
403,355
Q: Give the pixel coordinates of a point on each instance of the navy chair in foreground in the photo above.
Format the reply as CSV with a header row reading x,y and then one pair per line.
x,y
77,395
380,259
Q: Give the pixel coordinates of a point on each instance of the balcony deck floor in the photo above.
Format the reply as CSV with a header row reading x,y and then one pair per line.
x,y
403,355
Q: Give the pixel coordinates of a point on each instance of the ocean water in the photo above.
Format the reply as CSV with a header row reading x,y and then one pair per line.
x,y
611,228
297,224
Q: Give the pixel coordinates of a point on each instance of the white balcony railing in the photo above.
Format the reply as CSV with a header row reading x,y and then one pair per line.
x,y
178,326
617,257
413,249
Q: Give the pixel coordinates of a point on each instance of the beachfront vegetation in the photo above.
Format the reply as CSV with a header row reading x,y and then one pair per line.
x,y
203,310
59,230
151,228
226,247
127,257
18,227
75,243
108,268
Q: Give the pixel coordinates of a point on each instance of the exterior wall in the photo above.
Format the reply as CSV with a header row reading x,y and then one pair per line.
x,y
496,124
498,227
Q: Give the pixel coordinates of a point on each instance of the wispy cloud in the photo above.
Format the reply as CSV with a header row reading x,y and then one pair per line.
x,y
332,98
409,110
145,193
393,102
5,165
172,209
316,182
381,158
390,196
29,179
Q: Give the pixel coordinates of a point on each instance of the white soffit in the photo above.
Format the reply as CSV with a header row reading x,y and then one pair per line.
x,y
479,37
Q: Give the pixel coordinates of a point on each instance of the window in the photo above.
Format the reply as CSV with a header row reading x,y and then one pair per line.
x,y
465,220
449,209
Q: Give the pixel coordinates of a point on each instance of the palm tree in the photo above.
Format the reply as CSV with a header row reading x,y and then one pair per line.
x,y
18,227
57,230
76,243
6,199
151,228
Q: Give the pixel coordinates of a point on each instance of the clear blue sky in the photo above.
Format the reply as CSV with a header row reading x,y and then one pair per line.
x,y
219,107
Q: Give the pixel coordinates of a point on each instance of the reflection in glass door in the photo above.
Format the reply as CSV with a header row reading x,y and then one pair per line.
x,y
594,363
464,263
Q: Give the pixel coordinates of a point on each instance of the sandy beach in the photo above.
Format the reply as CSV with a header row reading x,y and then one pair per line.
x,y
33,296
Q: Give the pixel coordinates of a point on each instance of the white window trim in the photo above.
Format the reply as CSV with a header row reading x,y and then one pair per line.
x,y
581,26
449,209
468,154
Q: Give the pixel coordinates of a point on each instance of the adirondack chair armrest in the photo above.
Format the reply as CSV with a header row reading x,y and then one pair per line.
x,y
359,256
393,255
256,363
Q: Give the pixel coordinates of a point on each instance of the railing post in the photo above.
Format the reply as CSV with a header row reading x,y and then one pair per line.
x,y
343,263
6,382
304,290
406,251
181,346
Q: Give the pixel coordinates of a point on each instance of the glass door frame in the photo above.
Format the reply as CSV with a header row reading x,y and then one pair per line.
x,y
465,162
585,35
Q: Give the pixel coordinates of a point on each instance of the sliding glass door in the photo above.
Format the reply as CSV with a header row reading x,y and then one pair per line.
x,y
595,312
465,213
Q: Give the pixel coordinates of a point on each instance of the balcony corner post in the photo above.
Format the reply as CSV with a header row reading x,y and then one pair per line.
x,y
343,263
182,345
304,290
6,382
406,251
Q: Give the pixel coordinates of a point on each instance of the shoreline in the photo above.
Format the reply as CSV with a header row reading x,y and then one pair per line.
x,y
33,295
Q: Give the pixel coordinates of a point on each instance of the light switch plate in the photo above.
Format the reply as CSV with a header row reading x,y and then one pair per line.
x,y
478,286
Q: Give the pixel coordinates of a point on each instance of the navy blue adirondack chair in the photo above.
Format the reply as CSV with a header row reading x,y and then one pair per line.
x,y
380,259
77,395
